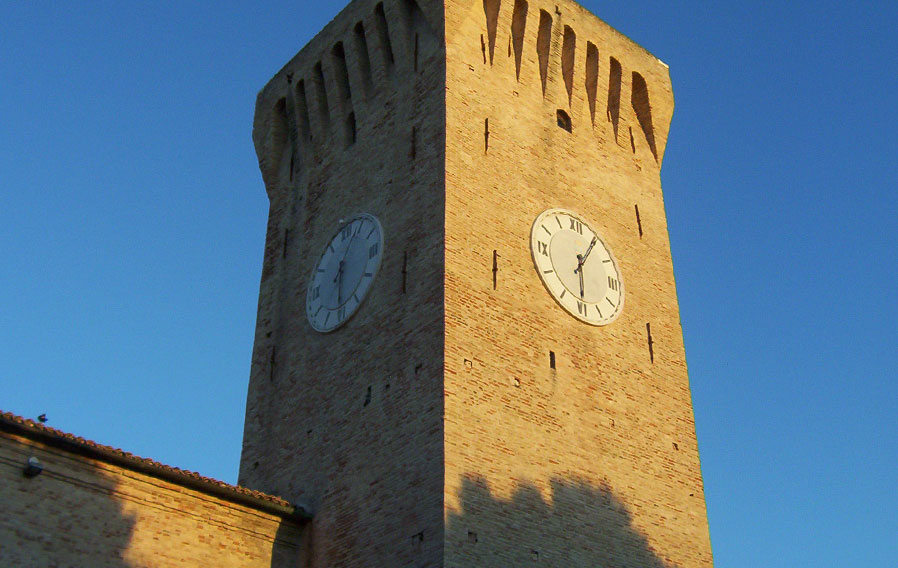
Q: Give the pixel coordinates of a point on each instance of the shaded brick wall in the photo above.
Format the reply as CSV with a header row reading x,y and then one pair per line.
x,y
349,423
85,512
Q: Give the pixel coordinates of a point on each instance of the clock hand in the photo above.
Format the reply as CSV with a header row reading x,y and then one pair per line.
x,y
581,260
339,280
579,271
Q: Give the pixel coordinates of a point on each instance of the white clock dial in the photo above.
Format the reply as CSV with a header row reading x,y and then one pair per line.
x,y
576,267
344,273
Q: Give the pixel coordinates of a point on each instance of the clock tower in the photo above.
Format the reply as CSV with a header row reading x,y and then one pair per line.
x,y
468,349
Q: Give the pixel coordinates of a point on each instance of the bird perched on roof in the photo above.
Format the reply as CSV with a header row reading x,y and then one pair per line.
x,y
42,418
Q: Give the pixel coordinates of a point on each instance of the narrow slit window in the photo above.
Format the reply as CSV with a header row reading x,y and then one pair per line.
x,y
638,221
491,10
614,81
383,33
651,343
305,128
592,78
279,135
543,43
342,73
643,109
321,91
518,26
568,50
361,46
350,129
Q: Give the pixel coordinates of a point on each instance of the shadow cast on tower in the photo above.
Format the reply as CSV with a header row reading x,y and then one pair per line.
x,y
581,525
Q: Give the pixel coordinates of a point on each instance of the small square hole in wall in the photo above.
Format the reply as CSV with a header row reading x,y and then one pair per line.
x,y
417,541
564,120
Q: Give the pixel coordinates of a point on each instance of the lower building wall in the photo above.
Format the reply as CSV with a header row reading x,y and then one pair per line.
x,y
83,512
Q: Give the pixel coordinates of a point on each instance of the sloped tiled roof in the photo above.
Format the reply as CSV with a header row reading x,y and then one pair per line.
x,y
51,436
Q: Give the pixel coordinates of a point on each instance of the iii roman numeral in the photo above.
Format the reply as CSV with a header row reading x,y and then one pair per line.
x,y
372,251
613,284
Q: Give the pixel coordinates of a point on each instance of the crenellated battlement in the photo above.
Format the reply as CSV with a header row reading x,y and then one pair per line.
x,y
592,75
335,88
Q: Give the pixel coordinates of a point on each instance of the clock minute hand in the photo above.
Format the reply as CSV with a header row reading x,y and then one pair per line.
x,y
582,259
339,280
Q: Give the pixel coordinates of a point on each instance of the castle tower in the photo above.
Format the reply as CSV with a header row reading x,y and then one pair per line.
x,y
468,349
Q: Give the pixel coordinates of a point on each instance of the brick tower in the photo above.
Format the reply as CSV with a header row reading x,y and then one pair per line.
x,y
438,380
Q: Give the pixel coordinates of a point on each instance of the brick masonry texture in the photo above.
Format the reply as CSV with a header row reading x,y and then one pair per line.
x,y
431,430
82,511
372,473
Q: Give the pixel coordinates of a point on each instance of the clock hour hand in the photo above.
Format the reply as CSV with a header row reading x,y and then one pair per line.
x,y
579,271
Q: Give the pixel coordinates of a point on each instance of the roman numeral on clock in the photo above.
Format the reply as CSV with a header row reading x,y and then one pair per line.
x,y
543,248
577,226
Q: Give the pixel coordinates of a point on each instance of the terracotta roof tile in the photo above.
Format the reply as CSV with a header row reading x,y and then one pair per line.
x,y
34,429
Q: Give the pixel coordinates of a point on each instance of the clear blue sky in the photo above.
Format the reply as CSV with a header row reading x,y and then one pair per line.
x,y
132,218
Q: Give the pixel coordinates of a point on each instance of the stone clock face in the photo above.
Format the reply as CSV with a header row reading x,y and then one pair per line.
x,y
576,267
344,273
